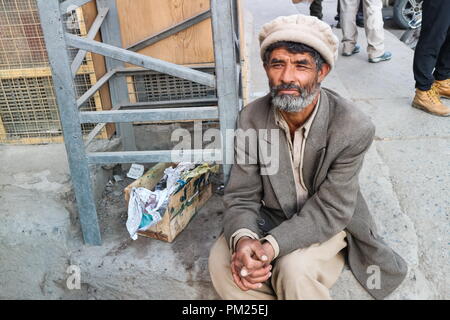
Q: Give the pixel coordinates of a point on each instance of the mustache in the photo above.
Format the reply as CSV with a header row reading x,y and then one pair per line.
x,y
276,89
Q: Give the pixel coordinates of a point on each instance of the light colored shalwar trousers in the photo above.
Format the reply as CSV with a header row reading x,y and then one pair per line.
x,y
304,274
373,25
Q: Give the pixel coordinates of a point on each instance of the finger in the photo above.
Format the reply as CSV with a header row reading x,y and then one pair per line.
x,y
245,268
234,259
251,264
238,282
251,285
238,263
237,271
259,252
260,272
244,272
234,268
259,279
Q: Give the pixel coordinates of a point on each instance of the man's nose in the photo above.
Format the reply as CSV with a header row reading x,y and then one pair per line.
x,y
287,76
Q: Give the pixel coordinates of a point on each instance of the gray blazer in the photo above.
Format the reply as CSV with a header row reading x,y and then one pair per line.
x,y
334,151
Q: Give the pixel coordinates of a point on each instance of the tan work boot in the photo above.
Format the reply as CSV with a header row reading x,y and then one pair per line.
x,y
443,88
429,101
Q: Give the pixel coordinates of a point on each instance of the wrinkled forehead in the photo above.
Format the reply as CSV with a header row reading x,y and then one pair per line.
x,y
284,55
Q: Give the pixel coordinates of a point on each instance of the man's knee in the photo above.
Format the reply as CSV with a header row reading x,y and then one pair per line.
x,y
299,264
219,259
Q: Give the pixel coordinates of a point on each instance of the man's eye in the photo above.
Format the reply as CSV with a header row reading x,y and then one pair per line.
x,y
276,65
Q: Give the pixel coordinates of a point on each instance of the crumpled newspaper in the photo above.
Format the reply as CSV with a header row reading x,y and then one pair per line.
x,y
143,209
173,175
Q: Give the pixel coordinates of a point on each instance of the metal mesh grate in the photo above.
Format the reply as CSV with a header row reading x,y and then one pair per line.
x,y
155,86
28,109
21,40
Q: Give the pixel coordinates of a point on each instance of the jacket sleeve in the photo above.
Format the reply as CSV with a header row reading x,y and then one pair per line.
x,y
243,193
331,208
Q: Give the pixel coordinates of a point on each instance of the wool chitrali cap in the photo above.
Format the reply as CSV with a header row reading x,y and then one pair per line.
x,y
302,29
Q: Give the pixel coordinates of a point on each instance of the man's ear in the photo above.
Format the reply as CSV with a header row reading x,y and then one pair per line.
x,y
324,71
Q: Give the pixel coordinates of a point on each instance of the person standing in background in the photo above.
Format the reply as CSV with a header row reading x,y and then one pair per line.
x,y
373,25
433,53
359,16
315,9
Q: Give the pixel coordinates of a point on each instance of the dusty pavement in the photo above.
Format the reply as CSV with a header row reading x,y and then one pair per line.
x,y
405,178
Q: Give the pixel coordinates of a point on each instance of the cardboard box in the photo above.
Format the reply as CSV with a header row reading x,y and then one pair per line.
x,y
183,203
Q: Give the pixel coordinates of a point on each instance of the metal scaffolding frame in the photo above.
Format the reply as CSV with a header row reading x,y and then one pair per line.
x,y
226,82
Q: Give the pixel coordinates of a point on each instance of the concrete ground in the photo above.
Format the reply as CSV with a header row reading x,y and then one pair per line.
x,y
405,179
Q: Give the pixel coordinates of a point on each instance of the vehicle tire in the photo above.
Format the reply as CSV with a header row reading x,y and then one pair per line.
x,y
404,12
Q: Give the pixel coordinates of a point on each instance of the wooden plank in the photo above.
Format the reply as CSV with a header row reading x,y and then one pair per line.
x,y
2,131
35,72
140,19
132,93
89,14
32,140
176,28
68,5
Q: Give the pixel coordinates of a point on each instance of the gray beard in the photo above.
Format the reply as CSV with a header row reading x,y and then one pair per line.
x,y
290,103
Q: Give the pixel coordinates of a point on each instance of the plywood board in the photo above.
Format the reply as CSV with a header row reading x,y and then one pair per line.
x,y
140,19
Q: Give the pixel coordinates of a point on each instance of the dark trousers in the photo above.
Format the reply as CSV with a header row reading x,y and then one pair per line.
x,y
433,48
315,9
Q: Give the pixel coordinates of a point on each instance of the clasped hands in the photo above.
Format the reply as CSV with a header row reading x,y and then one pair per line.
x,y
250,264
